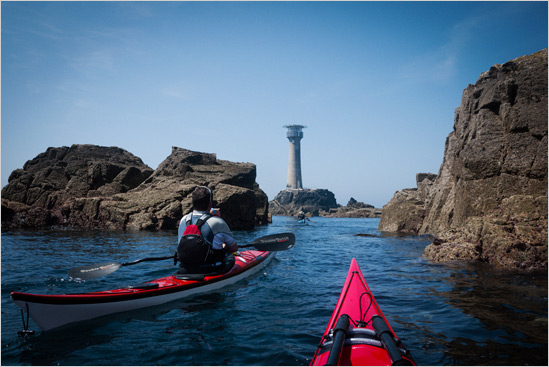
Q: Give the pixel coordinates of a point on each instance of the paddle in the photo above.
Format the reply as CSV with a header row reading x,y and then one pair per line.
x,y
273,242
98,270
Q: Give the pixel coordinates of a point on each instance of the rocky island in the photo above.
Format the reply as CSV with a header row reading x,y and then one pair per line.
x,y
312,202
92,186
319,202
489,200
354,209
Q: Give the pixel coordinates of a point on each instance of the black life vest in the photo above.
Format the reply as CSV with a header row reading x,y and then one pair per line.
x,y
193,249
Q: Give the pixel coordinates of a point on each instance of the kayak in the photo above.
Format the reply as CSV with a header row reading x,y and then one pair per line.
x,y
52,311
358,333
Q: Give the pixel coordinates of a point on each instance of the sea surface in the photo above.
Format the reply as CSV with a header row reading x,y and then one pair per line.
x,y
446,314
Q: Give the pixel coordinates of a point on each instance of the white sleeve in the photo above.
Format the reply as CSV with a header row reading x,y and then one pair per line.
x,y
218,225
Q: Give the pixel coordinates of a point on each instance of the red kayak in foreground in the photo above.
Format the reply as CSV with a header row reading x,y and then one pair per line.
x,y
358,333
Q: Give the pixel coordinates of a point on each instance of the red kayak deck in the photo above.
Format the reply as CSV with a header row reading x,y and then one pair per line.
x,y
358,333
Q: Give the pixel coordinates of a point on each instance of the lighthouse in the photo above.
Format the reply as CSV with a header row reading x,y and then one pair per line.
x,y
294,135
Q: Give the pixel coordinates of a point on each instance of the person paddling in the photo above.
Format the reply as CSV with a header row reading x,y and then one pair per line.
x,y
204,239
301,216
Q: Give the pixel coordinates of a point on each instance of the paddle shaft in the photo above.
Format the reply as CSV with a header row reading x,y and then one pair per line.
x,y
275,242
147,259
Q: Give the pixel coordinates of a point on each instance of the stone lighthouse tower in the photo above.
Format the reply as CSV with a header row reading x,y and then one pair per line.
x,y
294,135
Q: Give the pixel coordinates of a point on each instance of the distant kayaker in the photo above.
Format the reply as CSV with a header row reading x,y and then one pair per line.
x,y
208,240
301,216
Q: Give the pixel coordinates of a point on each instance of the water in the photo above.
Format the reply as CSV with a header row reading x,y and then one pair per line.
x,y
457,314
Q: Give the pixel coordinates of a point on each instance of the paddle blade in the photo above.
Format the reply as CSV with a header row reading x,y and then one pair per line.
x,y
93,271
274,242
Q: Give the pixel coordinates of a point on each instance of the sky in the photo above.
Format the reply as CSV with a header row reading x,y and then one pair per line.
x,y
376,83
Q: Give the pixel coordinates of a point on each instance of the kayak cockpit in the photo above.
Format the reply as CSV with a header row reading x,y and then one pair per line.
x,y
358,333
346,342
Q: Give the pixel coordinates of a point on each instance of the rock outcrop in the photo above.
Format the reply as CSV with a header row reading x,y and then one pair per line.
x,y
489,200
406,211
60,174
312,202
354,209
107,187
319,202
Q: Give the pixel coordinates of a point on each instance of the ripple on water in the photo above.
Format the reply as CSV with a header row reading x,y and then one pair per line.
x,y
453,314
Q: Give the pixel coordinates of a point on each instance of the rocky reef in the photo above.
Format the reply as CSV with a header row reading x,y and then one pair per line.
x,y
319,202
405,212
311,201
489,200
354,209
92,186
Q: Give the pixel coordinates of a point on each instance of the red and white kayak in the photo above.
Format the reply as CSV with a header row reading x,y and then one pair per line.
x,y
52,311
358,333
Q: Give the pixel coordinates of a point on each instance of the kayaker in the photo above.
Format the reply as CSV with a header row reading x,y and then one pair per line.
x,y
214,230
301,216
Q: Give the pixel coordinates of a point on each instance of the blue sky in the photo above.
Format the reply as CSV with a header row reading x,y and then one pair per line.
x,y
376,83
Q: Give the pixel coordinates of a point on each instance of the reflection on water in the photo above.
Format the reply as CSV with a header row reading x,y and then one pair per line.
x,y
463,351
491,296
446,314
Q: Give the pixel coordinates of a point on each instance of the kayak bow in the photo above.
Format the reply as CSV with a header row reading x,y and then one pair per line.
x,y
52,311
358,333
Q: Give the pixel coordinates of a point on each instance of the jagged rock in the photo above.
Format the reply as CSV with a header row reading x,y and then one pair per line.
x,y
311,201
354,209
451,251
352,203
45,190
319,202
60,174
489,201
406,211
99,187
403,213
